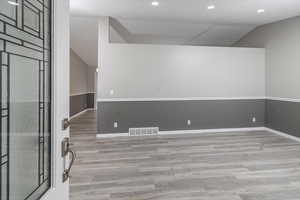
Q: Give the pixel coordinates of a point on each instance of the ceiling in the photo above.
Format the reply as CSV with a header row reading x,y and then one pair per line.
x,y
174,21
226,11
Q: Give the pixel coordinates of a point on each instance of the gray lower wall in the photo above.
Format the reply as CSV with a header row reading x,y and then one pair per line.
x,y
173,115
79,103
283,116
91,100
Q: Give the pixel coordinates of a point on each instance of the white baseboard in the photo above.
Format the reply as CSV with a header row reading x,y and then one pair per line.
x,y
283,134
223,130
113,135
80,113
179,99
90,109
178,132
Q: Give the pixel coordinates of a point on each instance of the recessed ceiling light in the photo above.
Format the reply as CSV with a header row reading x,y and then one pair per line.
x,y
211,7
13,3
155,3
260,10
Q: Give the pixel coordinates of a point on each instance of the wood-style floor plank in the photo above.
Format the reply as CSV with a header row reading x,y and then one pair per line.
x,y
208,166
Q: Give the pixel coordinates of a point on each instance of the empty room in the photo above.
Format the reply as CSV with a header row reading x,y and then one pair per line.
x,y
150,99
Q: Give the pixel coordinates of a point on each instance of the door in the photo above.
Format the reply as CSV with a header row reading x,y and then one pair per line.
x,y
34,98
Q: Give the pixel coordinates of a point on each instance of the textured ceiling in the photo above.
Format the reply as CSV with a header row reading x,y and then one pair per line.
x,y
226,11
187,22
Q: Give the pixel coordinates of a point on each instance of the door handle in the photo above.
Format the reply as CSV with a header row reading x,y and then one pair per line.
x,y
65,124
66,150
66,174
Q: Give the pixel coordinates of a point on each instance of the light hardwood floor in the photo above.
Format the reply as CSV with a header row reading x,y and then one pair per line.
x,y
212,166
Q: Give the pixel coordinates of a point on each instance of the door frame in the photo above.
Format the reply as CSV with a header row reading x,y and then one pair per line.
x,y
60,97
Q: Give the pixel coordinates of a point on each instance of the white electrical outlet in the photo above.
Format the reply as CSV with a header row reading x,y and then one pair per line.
x,y
115,124
254,119
189,122
111,92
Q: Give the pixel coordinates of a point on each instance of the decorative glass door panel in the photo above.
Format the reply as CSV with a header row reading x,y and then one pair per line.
x,y
25,73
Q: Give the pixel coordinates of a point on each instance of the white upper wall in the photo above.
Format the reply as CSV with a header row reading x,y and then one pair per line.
x,y
163,71
84,38
78,75
282,43
169,32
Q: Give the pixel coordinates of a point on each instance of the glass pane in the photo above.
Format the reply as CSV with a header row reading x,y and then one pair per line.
x,y
24,36
4,182
47,141
4,87
47,83
24,125
1,26
4,135
47,33
32,17
7,10
1,45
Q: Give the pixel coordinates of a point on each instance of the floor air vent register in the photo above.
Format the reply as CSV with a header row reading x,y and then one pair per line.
x,y
146,131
